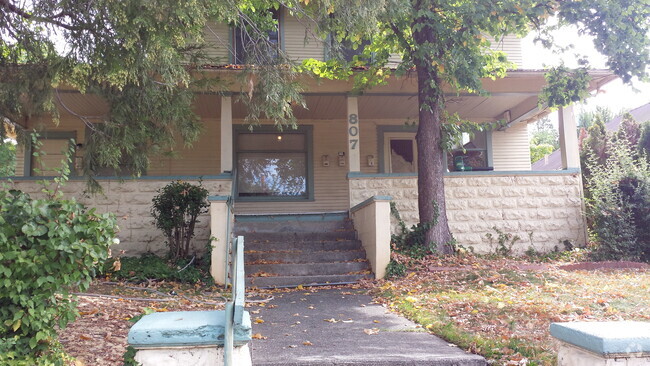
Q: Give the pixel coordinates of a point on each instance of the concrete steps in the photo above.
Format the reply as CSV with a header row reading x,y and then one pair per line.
x,y
307,249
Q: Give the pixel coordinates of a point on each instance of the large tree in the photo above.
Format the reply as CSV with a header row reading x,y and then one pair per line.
x,y
138,55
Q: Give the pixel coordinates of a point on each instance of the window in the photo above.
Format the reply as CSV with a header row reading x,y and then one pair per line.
x,y
52,153
400,152
473,155
243,43
273,165
345,50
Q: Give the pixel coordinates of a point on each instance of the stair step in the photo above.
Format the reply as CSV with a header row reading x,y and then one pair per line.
x,y
315,246
296,237
307,269
299,256
294,281
295,226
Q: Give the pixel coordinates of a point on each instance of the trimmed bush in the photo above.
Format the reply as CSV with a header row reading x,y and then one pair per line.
x,y
176,209
48,249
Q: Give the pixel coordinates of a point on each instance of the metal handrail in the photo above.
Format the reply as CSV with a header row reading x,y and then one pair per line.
x,y
230,204
235,307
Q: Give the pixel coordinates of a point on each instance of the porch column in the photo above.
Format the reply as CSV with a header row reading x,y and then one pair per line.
x,y
354,156
226,133
568,138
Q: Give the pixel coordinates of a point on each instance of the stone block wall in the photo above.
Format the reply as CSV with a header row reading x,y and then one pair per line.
x,y
543,210
130,201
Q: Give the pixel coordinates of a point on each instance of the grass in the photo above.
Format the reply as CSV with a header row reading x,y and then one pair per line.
x,y
493,308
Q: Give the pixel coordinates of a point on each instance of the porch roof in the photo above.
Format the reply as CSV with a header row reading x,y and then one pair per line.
x,y
514,98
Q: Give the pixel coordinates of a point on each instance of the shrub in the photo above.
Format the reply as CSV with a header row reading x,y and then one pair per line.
x,y
175,210
412,242
619,205
47,248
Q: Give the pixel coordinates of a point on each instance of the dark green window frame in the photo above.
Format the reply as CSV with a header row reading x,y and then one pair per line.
x,y
272,130
47,135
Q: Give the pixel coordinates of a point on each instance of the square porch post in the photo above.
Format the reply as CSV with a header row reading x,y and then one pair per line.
x,y
568,138
226,133
354,155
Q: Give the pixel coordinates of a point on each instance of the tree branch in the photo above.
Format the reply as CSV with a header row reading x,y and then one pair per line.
x,y
25,15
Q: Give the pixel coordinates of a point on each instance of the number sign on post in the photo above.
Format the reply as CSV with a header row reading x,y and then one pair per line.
x,y
354,154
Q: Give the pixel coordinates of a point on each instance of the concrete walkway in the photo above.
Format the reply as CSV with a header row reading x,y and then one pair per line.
x,y
343,327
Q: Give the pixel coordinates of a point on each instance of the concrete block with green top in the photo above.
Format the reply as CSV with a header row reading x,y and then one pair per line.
x,y
197,338
187,328
622,343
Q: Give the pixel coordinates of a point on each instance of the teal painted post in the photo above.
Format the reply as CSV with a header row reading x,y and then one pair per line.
x,y
239,284
228,342
235,307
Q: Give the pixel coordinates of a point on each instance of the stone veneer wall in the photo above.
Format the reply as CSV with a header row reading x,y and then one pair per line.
x,y
548,206
130,201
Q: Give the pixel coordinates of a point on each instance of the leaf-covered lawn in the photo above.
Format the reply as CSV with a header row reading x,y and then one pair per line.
x,y
99,336
502,309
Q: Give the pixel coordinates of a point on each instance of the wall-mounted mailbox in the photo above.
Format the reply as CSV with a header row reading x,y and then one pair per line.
x,y
371,160
341,158
325,159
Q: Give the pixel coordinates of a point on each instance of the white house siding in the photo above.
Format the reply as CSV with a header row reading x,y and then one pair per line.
x,y
511,45
202,158
217,36
20,160
330,183
130,201
543,210
511,149
300,40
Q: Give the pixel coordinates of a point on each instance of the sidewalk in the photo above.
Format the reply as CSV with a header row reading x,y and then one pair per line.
x,y
343,327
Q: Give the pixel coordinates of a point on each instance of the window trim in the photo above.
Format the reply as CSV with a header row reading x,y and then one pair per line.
x,y
381,130
309,147
488,152
388,136
47,135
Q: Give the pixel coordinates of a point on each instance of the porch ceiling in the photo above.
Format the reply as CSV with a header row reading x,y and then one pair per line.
x,y
514,97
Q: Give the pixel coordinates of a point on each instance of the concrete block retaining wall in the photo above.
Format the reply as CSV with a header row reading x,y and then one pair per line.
x,y
130,201
548,206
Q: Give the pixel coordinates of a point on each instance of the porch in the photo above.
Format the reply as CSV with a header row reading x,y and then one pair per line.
x,y
347,149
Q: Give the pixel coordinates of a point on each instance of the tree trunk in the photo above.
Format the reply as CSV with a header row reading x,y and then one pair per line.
x,y
431,162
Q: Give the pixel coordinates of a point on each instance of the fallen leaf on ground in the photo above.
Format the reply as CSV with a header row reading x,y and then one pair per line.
x,y
258,336
307,343
331,320
371,331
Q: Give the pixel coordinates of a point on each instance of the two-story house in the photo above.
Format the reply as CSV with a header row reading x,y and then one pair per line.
x,y
347,149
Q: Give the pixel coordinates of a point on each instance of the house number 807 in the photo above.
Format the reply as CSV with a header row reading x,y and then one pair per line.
x,y
353,131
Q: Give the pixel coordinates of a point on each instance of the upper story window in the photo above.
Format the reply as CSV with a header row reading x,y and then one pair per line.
x,y
246,44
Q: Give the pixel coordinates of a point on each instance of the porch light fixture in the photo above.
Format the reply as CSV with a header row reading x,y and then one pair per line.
x,y
279,137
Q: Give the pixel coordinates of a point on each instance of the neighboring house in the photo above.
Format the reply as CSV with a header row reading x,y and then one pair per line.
x,y
553,161
347,149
